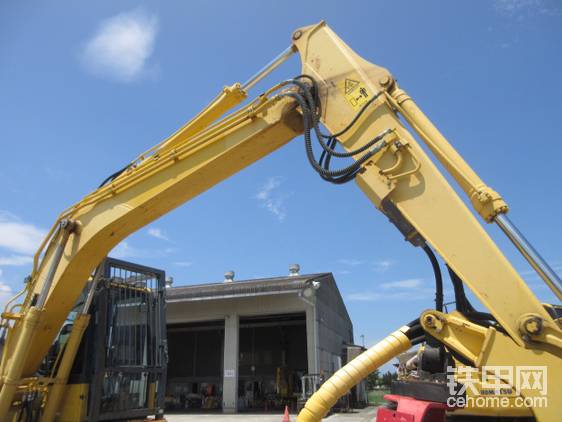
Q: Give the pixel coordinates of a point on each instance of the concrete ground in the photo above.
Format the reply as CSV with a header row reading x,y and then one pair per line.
x,y
362,415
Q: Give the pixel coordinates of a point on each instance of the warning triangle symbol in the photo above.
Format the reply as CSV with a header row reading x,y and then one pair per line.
x,y
350,85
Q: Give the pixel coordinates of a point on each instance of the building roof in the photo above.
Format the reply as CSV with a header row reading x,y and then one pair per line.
x,y
244,288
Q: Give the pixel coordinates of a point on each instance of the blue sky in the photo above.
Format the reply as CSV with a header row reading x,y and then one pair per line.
x,y
86,87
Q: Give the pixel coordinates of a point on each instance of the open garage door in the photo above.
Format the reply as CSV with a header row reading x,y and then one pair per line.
x,y
273,358
195,366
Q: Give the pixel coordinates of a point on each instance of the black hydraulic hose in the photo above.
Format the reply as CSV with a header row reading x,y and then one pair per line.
x,y
315,89
312,106
337,180
418,340
463,305
413,323
308,144
307,97
113,176
416,332
438,278
359,150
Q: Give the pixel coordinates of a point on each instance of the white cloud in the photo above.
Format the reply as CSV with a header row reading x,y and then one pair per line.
x,y
20,240
17,236
125,251
363,297
384,265
411,289
533,278
350,261
401,296
513,5
554,265
121,46
6,293
57,173
410,283
184,264
16,260
525,8
157,233
272,199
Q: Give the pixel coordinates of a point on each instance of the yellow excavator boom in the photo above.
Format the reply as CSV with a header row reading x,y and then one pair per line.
x,y
361,105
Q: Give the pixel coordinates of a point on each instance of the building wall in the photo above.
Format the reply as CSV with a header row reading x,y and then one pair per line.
x,y
205,310
334,327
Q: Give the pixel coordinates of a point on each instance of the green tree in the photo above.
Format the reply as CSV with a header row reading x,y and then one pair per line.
x,y
388,377
373,379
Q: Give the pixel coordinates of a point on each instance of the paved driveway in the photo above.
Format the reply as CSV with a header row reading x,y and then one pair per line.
x,y
364,415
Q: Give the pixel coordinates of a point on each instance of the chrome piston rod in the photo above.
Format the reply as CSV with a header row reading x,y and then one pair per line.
x,y
268,68
66,227
530,254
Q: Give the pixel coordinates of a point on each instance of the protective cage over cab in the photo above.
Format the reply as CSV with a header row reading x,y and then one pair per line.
x,y
120,370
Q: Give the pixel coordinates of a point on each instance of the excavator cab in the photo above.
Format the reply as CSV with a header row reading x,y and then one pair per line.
x,y
119,372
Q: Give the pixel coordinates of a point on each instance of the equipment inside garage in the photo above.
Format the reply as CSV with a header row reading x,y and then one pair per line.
x,y
195,356
246,345
273,359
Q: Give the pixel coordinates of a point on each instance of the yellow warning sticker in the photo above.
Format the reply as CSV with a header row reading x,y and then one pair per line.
x,y
355,93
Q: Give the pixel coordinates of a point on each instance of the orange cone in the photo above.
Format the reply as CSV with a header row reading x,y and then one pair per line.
x,y
286,417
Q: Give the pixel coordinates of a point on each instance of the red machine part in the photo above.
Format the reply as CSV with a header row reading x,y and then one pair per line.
x,y
412,410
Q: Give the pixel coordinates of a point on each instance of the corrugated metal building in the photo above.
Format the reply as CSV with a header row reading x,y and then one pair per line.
x,y
240,345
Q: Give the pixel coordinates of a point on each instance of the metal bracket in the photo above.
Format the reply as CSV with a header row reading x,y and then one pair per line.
x,y
456,332
398,146
533,328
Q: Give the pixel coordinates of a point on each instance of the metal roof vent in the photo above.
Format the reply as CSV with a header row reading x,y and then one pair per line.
x,y
229,276
169,281
294,270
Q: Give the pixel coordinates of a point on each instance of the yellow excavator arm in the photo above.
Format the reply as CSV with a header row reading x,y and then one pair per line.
x,y
361,106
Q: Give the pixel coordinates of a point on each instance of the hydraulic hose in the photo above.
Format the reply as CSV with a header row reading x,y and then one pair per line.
x,y
307,98
438,278
351,374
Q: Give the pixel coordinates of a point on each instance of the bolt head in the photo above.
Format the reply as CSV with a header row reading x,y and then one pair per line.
x,y
297,34
385,80
533,326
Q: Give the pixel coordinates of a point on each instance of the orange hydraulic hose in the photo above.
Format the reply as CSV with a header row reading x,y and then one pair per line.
x,y
341,382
